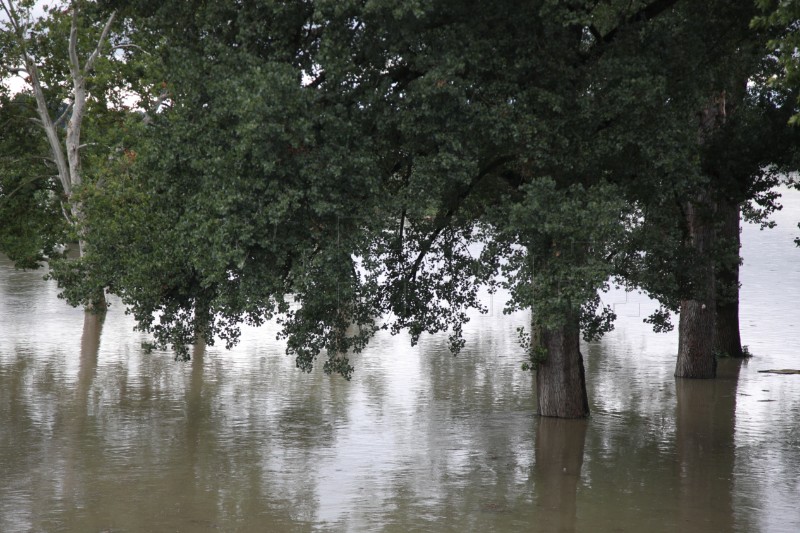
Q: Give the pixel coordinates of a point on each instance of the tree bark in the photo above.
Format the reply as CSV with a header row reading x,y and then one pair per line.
x,y
697,327
560,376
728,339
67,157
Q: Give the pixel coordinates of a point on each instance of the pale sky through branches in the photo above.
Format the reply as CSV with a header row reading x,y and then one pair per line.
x,y
17,83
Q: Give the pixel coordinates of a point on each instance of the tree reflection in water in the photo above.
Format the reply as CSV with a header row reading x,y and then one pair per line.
x,y
559,458
706,423
96,434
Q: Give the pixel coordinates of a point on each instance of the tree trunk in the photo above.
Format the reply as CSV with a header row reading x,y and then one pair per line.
x,y
728,340
560,378
67,158
696,327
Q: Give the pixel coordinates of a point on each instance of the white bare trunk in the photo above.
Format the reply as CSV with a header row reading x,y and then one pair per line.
x,y
73,140
67,156
49,127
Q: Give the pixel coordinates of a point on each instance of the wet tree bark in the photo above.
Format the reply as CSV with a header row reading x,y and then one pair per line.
x,y
560,376
697,325
728,339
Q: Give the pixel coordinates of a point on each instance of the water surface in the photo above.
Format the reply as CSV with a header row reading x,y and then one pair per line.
x,y
96,435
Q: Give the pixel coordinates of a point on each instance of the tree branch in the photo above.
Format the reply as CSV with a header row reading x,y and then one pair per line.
x,y
595,33
130,45
87,68
316,82
74,63
66,215
11,13
63,115
47,124
647,12
17,71
441,221
23,183
154,108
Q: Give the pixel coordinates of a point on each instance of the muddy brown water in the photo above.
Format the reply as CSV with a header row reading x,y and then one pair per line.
x,y
97,436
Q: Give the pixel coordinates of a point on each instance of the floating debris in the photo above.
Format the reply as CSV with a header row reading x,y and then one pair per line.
x,y
782,371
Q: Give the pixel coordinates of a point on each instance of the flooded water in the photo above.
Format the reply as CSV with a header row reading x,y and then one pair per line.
x,y
97,436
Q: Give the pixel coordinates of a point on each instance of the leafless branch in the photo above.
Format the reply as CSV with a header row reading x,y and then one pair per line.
x,y
87,68
130,45
154,108
63,115
47,124
66,215
74,63
11,13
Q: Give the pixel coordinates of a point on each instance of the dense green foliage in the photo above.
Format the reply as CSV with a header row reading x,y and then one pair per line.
x,y
30,203
783,17
737,160
67,124
345,160
346,166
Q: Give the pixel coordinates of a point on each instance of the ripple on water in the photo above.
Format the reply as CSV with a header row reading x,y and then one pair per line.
x,y
116,439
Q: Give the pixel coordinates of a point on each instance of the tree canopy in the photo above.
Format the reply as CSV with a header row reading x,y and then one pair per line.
x,y
374,164
32,224
784,18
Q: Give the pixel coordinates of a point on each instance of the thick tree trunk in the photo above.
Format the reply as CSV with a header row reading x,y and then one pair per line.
x,y
560,377
728,339
697,325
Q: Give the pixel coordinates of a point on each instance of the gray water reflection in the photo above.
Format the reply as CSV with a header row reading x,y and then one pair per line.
x,y
96,435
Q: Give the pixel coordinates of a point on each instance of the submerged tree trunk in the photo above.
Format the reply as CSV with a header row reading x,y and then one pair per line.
x,y
560,377
728,339
697,327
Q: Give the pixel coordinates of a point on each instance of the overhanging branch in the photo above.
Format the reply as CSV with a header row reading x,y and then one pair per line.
x,y
63,115
87,68
443,219
647,12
